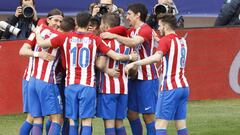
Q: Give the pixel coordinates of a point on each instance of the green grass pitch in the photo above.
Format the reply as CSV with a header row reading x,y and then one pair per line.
x,y
217,117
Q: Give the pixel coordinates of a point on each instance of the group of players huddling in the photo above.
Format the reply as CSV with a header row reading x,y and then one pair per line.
x,y
111,75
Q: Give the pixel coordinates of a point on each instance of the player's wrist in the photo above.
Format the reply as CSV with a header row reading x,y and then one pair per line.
x,y
130,57
36,54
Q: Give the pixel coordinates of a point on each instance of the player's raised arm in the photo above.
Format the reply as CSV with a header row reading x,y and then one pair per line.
x,y
42,42
26,50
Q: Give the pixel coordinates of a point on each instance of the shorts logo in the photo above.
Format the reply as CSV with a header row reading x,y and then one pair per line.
x,y
147,108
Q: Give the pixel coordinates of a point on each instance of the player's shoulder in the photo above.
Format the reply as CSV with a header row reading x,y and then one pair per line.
x,y
146,27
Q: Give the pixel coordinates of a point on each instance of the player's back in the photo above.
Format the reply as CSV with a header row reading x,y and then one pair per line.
x,y
115,85
174,62
80,52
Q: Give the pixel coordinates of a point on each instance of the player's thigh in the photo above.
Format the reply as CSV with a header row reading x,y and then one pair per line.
x,y
132,95
121,109
87,102
33,99
166,105
181,111
49,98
71,101
106,106
147,91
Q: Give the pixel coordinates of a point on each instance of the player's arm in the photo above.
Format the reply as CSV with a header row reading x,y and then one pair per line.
x,y
112,54
129,42
101,65
42,42
149,60
121,57
26,50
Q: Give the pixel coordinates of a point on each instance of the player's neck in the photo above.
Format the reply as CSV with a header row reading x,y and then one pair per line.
x,y
170,32
138,24
81,29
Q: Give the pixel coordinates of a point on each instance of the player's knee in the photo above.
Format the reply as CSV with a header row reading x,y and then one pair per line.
x,y
109,123
132,115
29,118
72,122
161,124
87,122
38,120
180,124
56,118
119,123
148,118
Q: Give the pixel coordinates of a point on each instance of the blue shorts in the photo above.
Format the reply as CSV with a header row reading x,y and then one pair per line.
x,y
25,96
80,101
112,106
172,104
44,98
142,95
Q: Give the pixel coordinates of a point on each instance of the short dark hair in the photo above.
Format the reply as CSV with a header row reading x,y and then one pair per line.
x,y
83,19
139,8
112,19
67,24
21,1
94,22
170,19
55,11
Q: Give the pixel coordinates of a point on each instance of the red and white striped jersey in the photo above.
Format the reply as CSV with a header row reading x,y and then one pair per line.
x,y
146,49
175,53
80,51
43,69
28,70
115,85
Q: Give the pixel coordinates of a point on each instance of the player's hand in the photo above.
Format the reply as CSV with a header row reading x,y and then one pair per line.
x,y
46,56
128,67
18,11
107,35
155,36
114,72
134,56
38,29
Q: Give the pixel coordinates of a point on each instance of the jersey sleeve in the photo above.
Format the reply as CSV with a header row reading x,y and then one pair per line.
x,y
58,41
164,45
101,46
145,33
119,30
31,40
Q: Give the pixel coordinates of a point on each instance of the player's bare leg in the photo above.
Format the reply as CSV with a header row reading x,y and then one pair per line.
x,y
181,127
73,129
27,125
109,127
120,129
37,126
135,122
55,125
86,126
149,120
161,126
